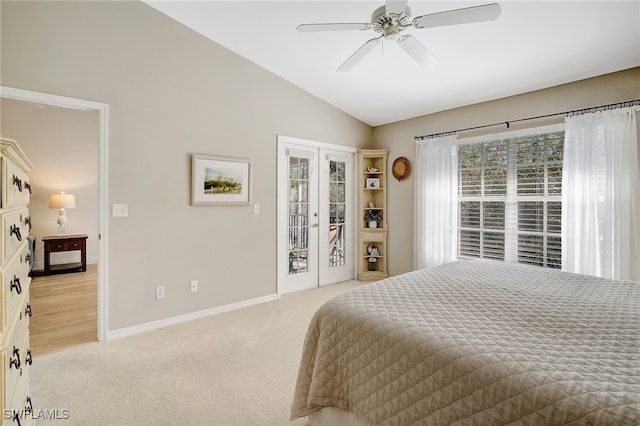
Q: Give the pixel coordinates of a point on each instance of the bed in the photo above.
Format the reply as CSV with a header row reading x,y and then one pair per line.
x,y
476,342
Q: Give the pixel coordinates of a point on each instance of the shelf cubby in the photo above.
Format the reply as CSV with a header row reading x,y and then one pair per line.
x,y
373,165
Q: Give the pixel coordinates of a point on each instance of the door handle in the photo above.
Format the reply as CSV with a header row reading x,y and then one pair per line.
x,y
315,225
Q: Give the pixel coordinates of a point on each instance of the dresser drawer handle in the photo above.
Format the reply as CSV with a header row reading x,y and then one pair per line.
x,y
28,359
27,258
27,185
15,362
15,283
15,229
27,311
27,222
17,182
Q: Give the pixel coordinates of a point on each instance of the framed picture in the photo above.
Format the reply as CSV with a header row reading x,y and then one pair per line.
x,y
220,180
373,183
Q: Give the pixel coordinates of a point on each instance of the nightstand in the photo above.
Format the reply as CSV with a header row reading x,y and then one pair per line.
x,y
59,243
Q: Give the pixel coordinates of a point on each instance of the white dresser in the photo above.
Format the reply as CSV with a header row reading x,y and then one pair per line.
x,y
15,311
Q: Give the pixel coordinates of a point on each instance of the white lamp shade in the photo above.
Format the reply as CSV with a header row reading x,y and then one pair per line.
x,y
62,201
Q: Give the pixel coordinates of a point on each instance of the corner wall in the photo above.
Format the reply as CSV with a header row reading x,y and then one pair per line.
x,y
171,92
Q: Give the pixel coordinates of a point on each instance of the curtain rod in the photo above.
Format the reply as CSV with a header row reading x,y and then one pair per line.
x,y
634,102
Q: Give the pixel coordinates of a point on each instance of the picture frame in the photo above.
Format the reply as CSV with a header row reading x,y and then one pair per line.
x,y
373,183
217,180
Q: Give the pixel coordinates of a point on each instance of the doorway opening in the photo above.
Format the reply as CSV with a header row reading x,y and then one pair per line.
x,y
46,99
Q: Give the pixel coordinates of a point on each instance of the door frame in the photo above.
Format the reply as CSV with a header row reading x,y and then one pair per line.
x,y
281,271
103,142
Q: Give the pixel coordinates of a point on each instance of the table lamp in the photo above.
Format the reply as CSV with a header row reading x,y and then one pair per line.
x,y
61,202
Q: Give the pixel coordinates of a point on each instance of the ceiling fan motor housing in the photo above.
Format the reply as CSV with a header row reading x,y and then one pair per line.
x,y
390,24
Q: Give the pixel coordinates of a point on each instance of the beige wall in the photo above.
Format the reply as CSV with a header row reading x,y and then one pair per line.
x,y
63,146
399,138
170,92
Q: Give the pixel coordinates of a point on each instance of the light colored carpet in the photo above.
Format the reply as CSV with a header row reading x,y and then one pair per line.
x,y
235,368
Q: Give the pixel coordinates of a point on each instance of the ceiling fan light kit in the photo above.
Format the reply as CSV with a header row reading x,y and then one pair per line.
x,y
394,17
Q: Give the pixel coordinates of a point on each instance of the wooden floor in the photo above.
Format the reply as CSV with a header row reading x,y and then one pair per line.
x,y
64,310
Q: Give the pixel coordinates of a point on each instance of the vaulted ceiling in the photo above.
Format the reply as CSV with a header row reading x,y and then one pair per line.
x,y
531,45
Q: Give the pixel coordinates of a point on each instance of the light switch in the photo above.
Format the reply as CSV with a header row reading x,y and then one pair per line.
x,y
120,210
256,208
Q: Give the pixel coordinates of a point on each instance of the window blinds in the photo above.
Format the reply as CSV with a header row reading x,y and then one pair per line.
x,y
510,199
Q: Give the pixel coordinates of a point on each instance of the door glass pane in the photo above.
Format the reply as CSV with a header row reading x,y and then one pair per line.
x,y
337,198
298,214
333,193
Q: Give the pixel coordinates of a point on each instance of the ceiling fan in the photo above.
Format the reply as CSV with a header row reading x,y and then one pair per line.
x,y
394,17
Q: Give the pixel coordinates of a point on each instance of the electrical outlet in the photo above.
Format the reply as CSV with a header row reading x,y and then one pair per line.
x,y
256,208
160,292
194,286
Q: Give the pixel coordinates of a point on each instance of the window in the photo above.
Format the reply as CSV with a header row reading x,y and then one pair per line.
x,y
510,198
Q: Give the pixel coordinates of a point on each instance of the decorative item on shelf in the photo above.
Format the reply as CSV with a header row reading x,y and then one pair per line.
x,y
62,202
401,168
373,250
373,183
372,263
372,169
373,217
372,204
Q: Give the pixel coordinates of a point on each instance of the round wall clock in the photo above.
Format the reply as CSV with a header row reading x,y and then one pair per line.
x,y
401,168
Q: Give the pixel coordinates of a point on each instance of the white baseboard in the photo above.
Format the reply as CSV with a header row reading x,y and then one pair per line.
x,y
141,328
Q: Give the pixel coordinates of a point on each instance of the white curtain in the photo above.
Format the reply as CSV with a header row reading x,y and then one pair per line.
x,y
600,195
436,202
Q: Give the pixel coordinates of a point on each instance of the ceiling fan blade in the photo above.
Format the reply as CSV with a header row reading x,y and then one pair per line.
x,y
417,51
467,15
396,6
359,54
333,27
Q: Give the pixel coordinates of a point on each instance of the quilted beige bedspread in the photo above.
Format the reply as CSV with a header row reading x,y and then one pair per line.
x,y
477,343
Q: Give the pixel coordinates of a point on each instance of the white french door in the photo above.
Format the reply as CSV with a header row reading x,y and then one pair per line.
x,y
336,217
315,215
297,218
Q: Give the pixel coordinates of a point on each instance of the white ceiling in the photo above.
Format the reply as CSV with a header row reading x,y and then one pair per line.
x,y
531,46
